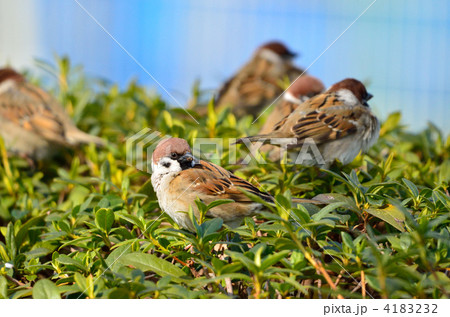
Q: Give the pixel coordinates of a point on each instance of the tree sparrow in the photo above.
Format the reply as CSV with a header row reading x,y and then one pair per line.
x,y
32,122
339,122
257,83
301,90
179,178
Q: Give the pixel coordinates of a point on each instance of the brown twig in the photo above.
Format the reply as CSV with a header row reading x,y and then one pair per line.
x,y
190,265
319,285
363,284
278,294
229,286
319,267
338,279
13,280
357,287
179,261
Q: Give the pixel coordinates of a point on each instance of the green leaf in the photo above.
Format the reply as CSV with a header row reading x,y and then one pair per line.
x,y
444,172
211,226
439,196
80,281
333,198
347,240
291,281
391,122
326,210
392,215
412,188
86,203
67,260
248,263
116,254
11,241
3,287
85,284
104,219
167,118
219,202
120,293
283,201
45,289
273,258
150,262
134,220
106,170
212,116
147,189
204,281
24,229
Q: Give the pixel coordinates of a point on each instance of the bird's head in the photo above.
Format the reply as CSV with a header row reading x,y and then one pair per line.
x,y
304,86
354,86
275,51
172,155
10,74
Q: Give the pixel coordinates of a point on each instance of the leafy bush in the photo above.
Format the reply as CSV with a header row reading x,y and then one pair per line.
x,y
87,225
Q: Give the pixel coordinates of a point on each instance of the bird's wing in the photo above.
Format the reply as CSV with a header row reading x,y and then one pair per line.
x,y
210,182
294,72
324,118
31,108
282,109
250,86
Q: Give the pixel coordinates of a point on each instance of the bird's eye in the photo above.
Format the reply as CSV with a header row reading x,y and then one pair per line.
x,y
174,155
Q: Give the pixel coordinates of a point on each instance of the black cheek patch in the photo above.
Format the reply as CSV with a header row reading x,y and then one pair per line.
x,y
167,164
185,165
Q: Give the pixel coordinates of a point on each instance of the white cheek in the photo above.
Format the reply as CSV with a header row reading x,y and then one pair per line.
x,y
6,85
175,167
164,167
271,56
290,97
347,97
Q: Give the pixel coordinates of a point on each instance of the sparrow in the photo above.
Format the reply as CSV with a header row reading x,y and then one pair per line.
x,y
179,179
300,91
338,123
32,123
257,83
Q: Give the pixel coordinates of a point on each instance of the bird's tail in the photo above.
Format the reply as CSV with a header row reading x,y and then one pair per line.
x,y
77,136
307,201
256,138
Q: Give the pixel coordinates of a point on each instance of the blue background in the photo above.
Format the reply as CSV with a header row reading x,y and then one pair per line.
x,y
400,48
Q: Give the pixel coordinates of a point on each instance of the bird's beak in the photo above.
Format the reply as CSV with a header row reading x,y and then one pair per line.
x,y
291,54
187,161
367,98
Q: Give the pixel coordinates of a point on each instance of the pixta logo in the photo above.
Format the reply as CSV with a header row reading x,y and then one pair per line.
x,y
140,147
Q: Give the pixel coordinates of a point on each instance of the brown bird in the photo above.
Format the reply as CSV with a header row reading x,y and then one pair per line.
x,y
338,123
32,122
258,82
179,179
300,91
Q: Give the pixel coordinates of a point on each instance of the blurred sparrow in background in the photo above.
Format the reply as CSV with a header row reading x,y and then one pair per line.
x,y
257,83
32,122
301,90
339,122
